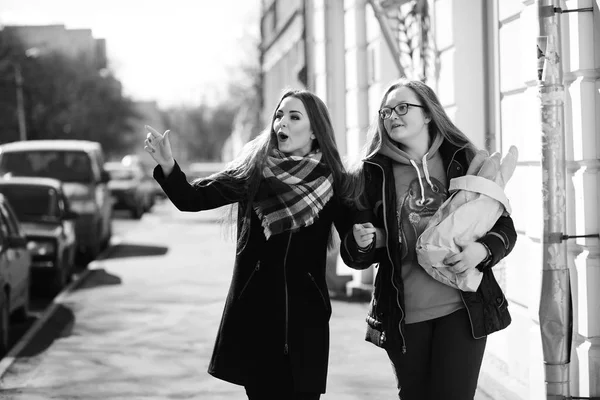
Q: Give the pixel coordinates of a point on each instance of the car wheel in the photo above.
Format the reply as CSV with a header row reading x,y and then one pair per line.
x,y
106,240
4,324
96,247
137,211
59,281
22,313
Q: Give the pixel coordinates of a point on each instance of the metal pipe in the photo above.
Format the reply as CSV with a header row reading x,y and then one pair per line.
x,y
555,311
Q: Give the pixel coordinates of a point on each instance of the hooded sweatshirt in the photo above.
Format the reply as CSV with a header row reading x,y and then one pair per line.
x,y
420,191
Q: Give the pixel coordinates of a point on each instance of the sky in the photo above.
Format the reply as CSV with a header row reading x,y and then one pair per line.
x,y
177,52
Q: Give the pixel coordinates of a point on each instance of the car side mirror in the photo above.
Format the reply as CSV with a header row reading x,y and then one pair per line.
x,y
16,241
104,176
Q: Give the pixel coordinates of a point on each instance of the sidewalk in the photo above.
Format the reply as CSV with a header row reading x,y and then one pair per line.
x,y
143,324
143,327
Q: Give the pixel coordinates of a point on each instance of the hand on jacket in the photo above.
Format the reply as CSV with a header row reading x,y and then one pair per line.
x,y
471,255
159,148
363,234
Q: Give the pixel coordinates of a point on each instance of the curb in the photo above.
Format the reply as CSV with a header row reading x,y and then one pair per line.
x,y
11,357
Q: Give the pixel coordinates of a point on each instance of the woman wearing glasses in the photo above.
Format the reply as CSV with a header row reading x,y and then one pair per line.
x,y
434,335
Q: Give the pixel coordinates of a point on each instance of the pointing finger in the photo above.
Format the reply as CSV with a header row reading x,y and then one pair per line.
x,y
153,131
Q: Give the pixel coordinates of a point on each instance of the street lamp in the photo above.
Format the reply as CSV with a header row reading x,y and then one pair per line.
x,y
20,102
32,52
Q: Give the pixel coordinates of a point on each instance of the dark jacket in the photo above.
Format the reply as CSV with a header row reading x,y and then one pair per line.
x,y
278,305
487,308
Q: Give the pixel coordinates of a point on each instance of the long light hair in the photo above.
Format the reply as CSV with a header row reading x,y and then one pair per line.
x,y
248,167
440,124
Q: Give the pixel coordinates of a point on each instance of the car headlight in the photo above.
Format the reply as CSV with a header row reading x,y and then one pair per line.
x,y
83,206
41,248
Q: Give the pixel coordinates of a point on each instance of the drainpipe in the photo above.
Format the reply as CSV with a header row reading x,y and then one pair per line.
x,y
555,312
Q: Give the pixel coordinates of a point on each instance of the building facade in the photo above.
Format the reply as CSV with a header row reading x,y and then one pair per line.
x,y
484,69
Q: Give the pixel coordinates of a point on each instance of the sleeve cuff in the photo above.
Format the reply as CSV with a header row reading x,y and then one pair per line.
x,y
496,246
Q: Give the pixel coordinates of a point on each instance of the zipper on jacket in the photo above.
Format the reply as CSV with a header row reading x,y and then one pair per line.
x,y
450,163
286,345
390,256
249,279
319,290
399,223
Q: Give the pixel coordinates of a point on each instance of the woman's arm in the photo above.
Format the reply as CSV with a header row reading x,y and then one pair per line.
x,y
500,241
204,195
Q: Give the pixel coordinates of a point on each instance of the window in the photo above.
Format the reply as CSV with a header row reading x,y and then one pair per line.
x,y
66,166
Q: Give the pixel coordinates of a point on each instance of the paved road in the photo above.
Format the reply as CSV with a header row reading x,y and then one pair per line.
x,y
143,323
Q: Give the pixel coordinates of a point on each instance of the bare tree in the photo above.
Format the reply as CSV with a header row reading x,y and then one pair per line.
x,y
64,98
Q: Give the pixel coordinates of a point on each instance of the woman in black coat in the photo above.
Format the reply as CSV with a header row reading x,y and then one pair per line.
x,y
435,335
289,186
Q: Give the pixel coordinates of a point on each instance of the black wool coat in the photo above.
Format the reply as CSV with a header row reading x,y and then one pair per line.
x,y
487,307
277,311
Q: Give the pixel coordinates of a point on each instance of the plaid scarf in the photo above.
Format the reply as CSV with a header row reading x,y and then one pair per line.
x,y
293,192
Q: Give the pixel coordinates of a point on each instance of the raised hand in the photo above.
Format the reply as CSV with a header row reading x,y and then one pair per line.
x,y
159,148
363,234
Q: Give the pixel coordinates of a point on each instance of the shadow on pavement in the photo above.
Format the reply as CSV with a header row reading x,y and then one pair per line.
x,y
98,277
58,326
135,250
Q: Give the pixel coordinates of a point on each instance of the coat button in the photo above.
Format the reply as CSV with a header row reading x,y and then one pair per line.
x,y
498,300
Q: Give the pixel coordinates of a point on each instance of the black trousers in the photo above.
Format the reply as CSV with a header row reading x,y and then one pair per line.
x,y
442,360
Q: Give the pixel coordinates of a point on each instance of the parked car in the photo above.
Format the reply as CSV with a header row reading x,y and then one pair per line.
x,y
4,320
15,268
79,165
49,225
130,187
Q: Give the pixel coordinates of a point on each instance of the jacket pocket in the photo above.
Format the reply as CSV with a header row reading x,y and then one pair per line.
x,y
254,271
323,298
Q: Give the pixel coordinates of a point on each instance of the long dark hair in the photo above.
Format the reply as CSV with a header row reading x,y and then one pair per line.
x,y
248,167
440,124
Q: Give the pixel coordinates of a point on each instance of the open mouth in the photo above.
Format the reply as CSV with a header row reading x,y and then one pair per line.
x,y
282,136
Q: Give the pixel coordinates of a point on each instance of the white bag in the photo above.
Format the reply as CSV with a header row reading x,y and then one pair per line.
x,y
476,202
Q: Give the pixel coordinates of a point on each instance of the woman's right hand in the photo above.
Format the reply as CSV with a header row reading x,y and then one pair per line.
x,y
364,234
159,148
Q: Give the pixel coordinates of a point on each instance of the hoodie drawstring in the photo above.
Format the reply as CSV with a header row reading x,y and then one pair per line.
x,y
426,170
427,177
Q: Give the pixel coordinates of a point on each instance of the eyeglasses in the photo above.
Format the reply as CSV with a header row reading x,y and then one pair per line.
x,y
400,109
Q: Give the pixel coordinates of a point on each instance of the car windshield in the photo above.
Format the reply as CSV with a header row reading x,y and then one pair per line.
x,y
120,174
32,203
66,166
